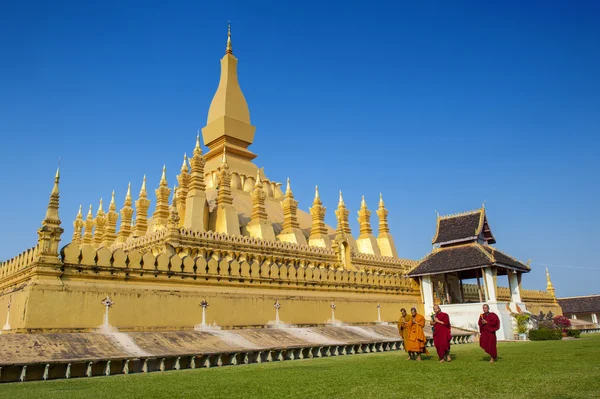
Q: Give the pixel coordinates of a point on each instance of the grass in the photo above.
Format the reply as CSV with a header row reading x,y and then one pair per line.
x,y
543,369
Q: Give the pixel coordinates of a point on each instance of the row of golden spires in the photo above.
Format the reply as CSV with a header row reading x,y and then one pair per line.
x,y
101,230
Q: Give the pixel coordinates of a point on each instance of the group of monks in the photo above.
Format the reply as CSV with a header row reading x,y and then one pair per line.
x,y
411,327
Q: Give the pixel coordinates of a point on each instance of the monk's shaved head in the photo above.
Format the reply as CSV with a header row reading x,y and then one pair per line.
x,y
436,308
486,308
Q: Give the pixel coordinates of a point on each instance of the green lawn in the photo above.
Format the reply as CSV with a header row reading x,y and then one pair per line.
x,y
551,369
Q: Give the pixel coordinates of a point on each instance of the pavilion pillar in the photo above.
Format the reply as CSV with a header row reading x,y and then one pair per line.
x,y
490,287
513,284
594,318
427,294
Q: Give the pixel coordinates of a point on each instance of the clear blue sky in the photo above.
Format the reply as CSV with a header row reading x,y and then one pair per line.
x,y
439,105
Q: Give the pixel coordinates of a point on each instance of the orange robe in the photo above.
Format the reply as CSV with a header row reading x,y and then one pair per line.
x,y
416,335
403,328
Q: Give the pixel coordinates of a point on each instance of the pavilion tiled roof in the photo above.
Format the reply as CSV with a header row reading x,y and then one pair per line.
x,y
580,304
465,257
464,227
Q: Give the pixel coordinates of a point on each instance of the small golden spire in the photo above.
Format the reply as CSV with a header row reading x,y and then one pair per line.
x,y
128,195
143,193
317,200
381,204
90,213
549,286
258,182
363,203
288,188
163,178
112,205
198,148
79,214
184,166
224,158
229,50
100,209
341,201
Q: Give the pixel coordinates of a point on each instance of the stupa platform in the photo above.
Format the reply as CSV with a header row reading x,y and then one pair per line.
x,y
29,357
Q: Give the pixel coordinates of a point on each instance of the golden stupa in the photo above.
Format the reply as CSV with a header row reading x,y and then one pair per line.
x,y
225,233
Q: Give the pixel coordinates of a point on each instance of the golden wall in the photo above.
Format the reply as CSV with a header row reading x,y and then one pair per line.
x,y
163,292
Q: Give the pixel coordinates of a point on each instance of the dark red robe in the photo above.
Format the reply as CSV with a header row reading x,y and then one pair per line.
x,y
442,335
487,340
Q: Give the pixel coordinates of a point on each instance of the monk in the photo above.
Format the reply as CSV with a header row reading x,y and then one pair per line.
x,y
489,323
415,344
403,328
441,334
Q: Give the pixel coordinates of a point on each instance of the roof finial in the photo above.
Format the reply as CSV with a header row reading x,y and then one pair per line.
x,y
341,202
363,203
288,188
79,215
229,49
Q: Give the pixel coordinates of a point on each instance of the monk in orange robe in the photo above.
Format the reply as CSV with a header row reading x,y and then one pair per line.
x,y
415,344
489,323
403,329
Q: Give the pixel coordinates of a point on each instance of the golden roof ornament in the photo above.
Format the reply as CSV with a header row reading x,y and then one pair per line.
x,y
341,201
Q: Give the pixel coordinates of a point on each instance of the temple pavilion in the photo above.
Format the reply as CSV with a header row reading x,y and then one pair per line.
x,y
462,250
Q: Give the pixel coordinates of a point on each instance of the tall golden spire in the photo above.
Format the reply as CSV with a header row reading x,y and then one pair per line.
x,y
100,223
89,227
291,228
290,209
382,214
173,221
342,217
110,232
224,194
364,218
318,233
77,227
196,208
141,212
259,225
385,239
229,50
228,122
161,212
549,286
183,179
126,214
366,243
225,219
50,231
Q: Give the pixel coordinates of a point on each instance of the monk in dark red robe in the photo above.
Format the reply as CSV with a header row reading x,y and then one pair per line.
x,y
441,334
489,323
